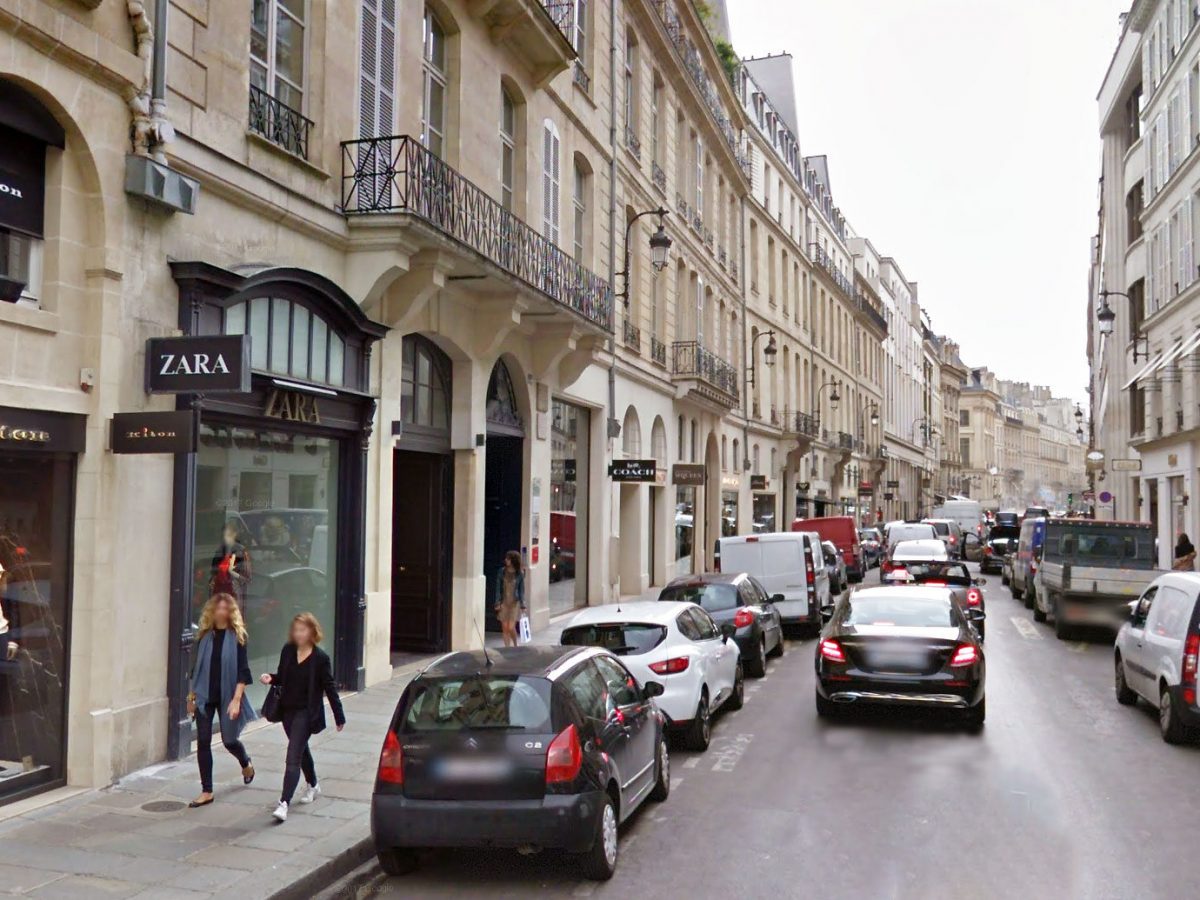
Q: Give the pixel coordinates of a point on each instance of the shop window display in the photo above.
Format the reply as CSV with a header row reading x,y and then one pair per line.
x,y
685,512
568,507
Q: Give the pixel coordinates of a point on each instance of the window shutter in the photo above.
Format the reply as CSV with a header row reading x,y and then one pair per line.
x,y
700,311
368,70
550,182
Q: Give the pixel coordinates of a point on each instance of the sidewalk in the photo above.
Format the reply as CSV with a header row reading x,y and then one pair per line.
x,y
138,839
550,634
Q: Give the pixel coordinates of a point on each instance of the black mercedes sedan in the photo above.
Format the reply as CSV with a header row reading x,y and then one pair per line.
x,y
527,747
1001,540
910,645
950,574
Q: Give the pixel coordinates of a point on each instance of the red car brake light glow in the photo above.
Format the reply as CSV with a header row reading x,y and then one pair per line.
x,y
974,597
743,617
832,651
670,666
391,760
1191,658
964,655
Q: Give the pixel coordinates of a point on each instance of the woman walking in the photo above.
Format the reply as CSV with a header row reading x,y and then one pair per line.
x,y
304,675
1185,555
219,681
510,596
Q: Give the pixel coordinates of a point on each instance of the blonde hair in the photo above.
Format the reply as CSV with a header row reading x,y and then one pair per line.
x,y
236,623
309,620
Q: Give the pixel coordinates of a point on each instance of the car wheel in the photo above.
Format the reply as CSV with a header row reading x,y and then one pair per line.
x,y
662,784
778,650
738,698
1125,694
826,708
975,715
1169,723
1039,616
600,862
1062,630
397,861
699,732
757,668
1012,589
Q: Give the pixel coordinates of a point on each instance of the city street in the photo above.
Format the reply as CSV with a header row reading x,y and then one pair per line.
x,y
1064,794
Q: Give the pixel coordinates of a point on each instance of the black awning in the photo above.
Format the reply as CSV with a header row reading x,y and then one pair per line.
x,y
24,113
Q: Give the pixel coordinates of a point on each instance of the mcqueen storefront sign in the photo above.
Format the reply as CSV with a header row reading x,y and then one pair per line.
x,y
216,364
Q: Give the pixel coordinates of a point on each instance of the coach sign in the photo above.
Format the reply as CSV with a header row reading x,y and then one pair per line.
x,y
207,364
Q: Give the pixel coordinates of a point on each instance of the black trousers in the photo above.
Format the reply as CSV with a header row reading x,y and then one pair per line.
x,y
204,736
299,757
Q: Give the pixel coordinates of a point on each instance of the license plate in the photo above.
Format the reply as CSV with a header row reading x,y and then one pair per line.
x,y
483,768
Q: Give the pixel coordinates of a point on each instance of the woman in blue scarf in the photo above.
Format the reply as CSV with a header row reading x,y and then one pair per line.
x,y
219,681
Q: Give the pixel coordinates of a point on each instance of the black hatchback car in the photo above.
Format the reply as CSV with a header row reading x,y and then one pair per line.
x,y
526,747
737,598
910,645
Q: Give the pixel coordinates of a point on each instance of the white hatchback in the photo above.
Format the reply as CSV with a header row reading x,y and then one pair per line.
x,y
676,644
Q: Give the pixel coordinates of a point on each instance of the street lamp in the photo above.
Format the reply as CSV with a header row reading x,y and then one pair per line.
x,y
1105,318
874,414
660,247
927,430
769,353
834,399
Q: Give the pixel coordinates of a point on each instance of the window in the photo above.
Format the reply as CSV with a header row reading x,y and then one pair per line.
x,y
425,391
277,50
1134,204
579,200
550,181
964,417
699,177
21,261
289,339
656,106
964,450
508,148
586,688
579,35
1137,307
1137,410
433,87
630,82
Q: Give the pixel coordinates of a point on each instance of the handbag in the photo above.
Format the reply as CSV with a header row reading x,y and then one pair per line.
x,y
271,710
524,633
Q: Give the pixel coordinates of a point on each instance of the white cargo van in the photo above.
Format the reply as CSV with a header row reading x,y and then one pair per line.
x,y
790,563
967,513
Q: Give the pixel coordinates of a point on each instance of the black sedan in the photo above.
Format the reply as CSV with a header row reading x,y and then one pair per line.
x,y
950,574
1001,540
525,747
910,645
740,599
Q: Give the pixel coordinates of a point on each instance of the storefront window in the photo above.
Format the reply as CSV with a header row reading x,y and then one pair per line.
x,y
568,507
729,513
685,512
35,522
266,531
764,514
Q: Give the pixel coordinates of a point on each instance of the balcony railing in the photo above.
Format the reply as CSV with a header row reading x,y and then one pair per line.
x,y
863,303
693,360
802,423
399,175
658,351
825,261
632,142
658,176
562,14
631,335
279,123
581,77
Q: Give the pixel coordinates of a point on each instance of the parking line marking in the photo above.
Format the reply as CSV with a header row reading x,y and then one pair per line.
x,y
676,782
1079,647
692,763
1026,628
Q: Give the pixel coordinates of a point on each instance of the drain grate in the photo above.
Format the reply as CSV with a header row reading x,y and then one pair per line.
x,y
163,806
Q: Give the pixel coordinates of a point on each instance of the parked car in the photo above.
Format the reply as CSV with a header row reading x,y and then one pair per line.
x,y
926,549
871,542
1000,541
1028,556
1156,654
908,531
736,598
842,533
787,564
1090,570
677,644
901,646
951,535
543,746
839,578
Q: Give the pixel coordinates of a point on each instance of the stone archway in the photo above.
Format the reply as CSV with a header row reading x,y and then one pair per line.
x,y
712,501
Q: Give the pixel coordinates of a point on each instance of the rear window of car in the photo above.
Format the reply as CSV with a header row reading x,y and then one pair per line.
x,y
622,639
942,528
509,702
898,533
911,612
1100,544
950,573
713,597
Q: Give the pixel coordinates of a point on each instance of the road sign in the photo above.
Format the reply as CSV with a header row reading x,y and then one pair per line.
x,y
1106,497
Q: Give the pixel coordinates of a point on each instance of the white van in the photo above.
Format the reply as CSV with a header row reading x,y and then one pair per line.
x,y
967,513
790,563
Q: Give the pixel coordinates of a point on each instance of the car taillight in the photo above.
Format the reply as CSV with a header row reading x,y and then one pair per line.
x,y
934,583
564,757
987,551
670,666
743,617
391,760
964,655
953,539
1191,656
809,573
974,597
832,651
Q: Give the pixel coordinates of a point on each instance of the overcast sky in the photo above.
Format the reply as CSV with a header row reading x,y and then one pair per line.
x,y
963,140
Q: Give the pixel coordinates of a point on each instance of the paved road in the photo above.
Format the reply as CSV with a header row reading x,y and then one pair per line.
x,y
1064,795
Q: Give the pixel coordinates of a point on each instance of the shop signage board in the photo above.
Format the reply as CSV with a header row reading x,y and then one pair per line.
x,y
36,430
1125,465
203,364
634,470
893,484
154,432
758,482
23,199
889,496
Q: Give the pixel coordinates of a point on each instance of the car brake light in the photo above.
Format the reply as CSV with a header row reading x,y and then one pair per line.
x,y
1191,657
751,540
935,584
391,760
953,539
564,756
964,655
974,597
832,651
743,617
670,666
987,551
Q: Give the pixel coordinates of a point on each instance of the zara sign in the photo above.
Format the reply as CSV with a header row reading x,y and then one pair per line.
x,y
206,364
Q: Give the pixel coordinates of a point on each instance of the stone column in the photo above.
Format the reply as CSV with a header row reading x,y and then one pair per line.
x,y
470,380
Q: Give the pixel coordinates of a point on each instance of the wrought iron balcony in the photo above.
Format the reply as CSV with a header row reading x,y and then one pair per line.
x,y
399,175
562,14
581,77
693,361
825,261
658,176
633,144
631,335
279,123
658,351
801,423
868,308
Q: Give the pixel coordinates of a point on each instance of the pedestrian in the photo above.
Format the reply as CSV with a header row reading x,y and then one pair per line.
x,y
304,677
1185,554
219,679
510,596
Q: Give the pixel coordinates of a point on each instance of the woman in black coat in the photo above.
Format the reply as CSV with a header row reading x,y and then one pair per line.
x,y
304,679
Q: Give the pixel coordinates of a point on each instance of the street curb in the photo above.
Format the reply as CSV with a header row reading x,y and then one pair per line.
x,y
329,872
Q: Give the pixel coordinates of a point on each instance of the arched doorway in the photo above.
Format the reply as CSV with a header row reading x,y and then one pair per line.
x,y
502,490
712,502
631,512
422,502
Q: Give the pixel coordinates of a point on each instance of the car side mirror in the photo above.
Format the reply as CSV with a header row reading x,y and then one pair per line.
x,y
778,598
728,630
652,689
826,613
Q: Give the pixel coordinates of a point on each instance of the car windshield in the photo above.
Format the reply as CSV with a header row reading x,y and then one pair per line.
x,y
950,573
713,597
629,638
510,702
896,609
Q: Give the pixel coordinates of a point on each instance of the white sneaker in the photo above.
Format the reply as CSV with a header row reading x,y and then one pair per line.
x,y
280,813
311,794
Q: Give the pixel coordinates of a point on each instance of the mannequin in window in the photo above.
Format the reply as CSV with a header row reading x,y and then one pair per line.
x,y
230,565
